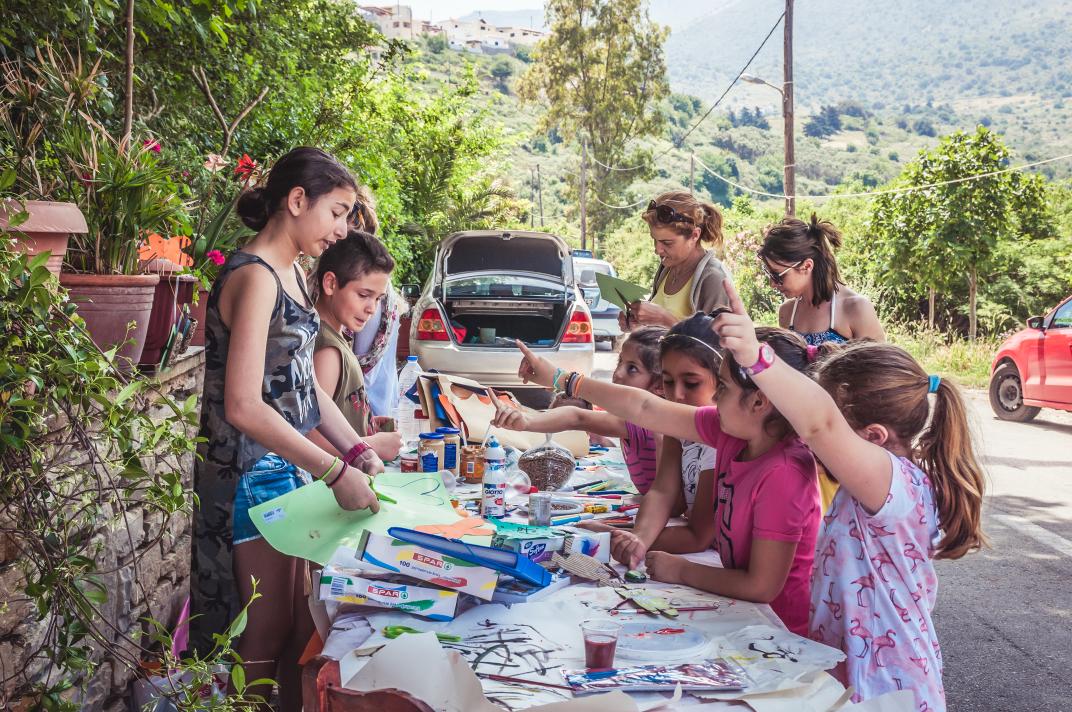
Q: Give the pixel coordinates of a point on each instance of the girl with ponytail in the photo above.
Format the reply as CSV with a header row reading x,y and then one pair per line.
x,y
798,258
689,278
911,492
260,399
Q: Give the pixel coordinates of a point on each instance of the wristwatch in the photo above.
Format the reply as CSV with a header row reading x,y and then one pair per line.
x,y
765,360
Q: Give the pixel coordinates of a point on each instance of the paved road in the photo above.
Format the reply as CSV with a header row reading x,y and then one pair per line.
x,y
1004,615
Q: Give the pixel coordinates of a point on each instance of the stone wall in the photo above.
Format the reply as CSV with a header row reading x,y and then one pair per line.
x,y
148,560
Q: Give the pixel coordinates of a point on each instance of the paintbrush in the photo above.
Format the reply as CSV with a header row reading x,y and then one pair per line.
x,y
521,680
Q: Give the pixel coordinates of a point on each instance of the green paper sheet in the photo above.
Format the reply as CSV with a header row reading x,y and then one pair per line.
x,y
618,291
309,523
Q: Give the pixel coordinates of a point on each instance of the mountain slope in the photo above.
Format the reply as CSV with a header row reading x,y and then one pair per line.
x,y
884,54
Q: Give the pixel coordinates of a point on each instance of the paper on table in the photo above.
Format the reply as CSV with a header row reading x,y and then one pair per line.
x,y
814,692
774,658
618,291
446,682
310,524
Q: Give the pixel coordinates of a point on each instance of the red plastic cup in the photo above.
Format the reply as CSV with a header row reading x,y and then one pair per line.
x,y
600,642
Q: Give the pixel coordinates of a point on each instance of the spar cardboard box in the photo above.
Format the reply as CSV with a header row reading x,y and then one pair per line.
x,y
390,554
348,586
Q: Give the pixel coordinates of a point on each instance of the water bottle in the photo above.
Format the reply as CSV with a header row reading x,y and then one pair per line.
x,y
493,502
407,422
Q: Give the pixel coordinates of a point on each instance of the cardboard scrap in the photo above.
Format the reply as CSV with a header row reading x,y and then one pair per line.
x,y
447,684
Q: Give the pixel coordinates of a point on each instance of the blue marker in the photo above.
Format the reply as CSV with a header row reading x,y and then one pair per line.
x,y
571,520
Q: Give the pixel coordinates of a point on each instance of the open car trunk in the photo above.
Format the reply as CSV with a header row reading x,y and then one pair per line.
x,y
535,323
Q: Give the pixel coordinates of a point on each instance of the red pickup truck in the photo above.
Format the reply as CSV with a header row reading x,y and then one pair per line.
x,y
1033,367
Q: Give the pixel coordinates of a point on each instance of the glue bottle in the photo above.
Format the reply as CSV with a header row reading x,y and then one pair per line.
x,y
493,503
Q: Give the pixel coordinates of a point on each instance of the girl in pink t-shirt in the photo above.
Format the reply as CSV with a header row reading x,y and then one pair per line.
x,y
911,491
638,367
766,516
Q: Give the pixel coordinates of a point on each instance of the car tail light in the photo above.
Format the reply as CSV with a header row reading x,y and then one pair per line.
x,y
579,330
430,326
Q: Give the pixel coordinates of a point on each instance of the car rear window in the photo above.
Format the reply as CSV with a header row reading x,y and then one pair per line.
x,y
494,254
579,269
501,285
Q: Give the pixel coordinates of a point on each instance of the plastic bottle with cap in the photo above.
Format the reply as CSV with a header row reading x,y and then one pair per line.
x,y
406,417
493,502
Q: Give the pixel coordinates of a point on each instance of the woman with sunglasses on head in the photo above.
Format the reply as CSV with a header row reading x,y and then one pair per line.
x,y
689,277
798,258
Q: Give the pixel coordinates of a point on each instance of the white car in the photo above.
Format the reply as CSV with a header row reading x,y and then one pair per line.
x,y
488,288
604,314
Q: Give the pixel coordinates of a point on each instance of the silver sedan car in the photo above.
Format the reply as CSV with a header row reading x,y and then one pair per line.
x,y
488,288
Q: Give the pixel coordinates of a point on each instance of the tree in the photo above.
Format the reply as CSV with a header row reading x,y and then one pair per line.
x,y
601,76
826,123
501,71
936,237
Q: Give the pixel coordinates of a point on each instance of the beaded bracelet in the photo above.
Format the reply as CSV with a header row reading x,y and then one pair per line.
x,y
559,373
570,384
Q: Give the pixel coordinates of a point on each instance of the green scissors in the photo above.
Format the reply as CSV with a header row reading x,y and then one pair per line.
x,y
380,495
393,631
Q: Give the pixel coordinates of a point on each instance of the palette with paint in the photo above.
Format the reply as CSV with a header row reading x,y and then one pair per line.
x,y
661,641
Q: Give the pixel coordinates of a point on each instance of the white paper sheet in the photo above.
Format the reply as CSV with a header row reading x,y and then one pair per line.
x,y
447,684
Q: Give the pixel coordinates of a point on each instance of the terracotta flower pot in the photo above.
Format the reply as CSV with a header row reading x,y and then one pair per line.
x,y
199,311
172,293
46,230
108,302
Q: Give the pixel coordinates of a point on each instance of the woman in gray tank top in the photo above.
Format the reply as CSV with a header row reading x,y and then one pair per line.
x,y
260,399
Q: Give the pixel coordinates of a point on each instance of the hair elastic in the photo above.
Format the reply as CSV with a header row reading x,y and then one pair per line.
x,y
934,381
813,352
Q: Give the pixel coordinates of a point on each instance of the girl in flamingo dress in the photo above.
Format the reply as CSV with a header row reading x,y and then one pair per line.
x,y
911,491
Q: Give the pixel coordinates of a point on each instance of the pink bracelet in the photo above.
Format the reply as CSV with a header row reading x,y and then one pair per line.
x,y
355,452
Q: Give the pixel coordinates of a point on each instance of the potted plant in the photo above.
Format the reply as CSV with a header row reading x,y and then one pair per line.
x,y
125,192
33,97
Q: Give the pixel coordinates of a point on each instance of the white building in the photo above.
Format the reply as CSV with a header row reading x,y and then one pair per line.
x,y
396,22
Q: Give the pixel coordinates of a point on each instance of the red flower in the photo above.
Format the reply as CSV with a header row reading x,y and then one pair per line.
x,y
216,256
245,167
153,145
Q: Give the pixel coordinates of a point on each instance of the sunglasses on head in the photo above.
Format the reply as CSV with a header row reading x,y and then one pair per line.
x,y
778,277
667,215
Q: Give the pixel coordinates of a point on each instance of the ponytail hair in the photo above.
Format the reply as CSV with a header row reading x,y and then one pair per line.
x,y
349,259
945,449
882,383
703,215
791,348
317,171
791,241
364,216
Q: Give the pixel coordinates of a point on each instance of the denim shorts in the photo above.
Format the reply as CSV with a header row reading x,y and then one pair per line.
x,y
270,477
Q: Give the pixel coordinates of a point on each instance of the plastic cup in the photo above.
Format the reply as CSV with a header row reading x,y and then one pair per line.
x,y
600,642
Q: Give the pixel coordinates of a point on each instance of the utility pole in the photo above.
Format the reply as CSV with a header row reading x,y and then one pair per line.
x,y
692,172
584,195
539,192
532,197
790,180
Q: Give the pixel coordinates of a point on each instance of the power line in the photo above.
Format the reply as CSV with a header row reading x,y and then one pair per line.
x,y
908,189
699,121
735,79
619,207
